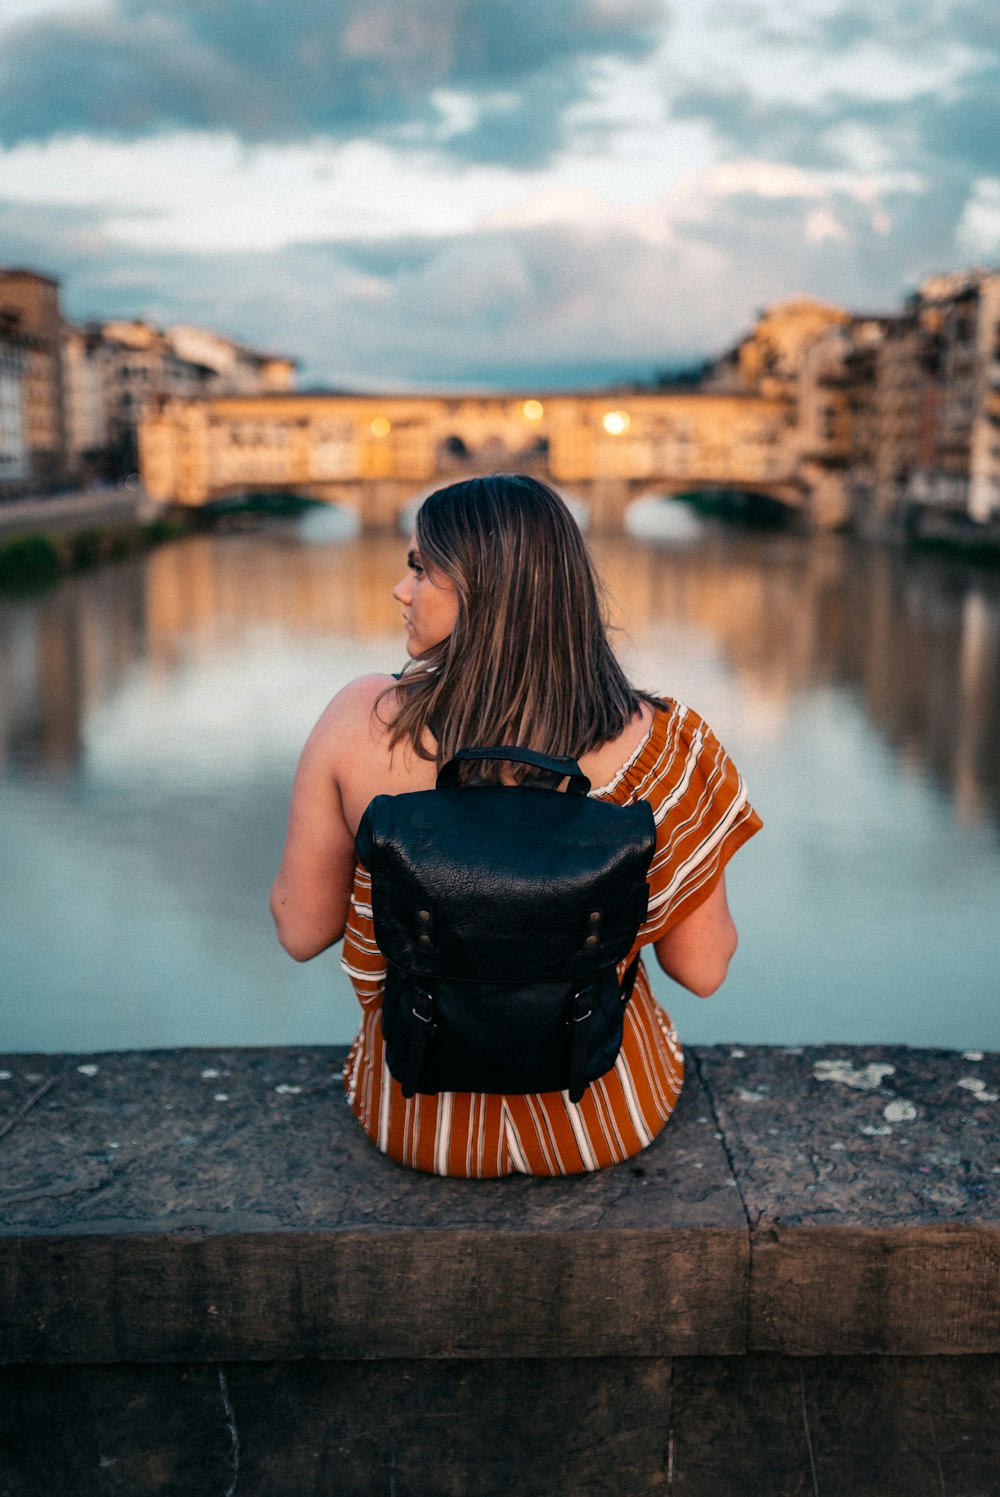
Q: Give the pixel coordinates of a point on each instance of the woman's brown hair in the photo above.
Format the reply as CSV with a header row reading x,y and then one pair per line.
x,y
528,661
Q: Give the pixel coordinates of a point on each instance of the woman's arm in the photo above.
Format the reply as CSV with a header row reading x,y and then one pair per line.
x,y
697,952
312,892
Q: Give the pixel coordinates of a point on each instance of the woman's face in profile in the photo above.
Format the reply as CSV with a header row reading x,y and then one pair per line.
x,y
429,602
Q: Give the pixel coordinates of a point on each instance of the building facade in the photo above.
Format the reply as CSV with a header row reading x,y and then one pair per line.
x,y
115,369
86,374
14,462
957,468
375,452
30,303
236,369
896,416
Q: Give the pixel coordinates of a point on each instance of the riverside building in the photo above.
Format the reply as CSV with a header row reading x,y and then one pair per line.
x,y
29,303
115,369
72,397
957,468
13,431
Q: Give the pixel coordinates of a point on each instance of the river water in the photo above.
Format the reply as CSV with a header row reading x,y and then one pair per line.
x,y
151,714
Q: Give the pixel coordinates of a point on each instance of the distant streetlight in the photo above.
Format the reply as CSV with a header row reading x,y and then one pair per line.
x,y
616,423
381,427
532,410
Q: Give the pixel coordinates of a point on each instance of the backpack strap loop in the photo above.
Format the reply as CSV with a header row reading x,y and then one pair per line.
x,y
628,978
583,1008
578,781
422,1008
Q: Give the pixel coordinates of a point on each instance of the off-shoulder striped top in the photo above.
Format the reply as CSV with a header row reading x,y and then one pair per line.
x,y
702,816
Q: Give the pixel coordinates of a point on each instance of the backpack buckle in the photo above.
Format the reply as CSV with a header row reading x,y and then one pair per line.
x,y
585,995
422,1008
416,1045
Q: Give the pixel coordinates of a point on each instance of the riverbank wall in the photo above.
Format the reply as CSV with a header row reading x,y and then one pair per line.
x,y
74,509
213,1283
43,539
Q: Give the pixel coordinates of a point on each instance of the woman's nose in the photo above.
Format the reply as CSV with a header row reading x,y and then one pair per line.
x,y
401,592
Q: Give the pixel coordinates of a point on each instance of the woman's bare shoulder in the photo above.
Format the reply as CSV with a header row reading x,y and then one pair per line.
x,y
354,712
352,741
602,764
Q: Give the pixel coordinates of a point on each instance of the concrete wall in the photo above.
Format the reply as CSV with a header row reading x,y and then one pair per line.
x,y
212,1282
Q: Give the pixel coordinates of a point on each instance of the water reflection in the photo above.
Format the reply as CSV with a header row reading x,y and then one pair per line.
x,y
918,640
60,658
150,716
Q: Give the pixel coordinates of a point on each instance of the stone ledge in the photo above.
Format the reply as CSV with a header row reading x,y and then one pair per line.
x,y
756,1426
824,1201
871,1181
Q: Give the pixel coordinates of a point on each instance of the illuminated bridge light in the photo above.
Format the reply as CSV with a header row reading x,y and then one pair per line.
x,y
616,423
532,410
381,426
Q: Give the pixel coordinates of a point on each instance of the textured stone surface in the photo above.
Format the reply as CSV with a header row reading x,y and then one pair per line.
x,y
261,1140
773,1426
871,1182
227,1205
866,1136
757,1426
199,1204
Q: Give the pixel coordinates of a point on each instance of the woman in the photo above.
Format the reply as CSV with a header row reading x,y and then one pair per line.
x,y
507,645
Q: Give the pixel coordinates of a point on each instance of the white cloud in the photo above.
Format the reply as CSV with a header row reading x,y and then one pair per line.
x,y
979,230
16,11
822,224
588,212
765,179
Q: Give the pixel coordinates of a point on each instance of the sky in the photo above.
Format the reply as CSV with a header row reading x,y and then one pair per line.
x,y
425,194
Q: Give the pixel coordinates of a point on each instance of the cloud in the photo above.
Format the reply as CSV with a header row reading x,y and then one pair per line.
x,y
486,82
826,28
965,128
52,238
979,230
540,302
547,294
919,83
939,142
829,156
742,121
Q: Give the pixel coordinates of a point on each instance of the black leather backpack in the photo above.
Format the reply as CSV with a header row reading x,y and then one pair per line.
x,y
502,912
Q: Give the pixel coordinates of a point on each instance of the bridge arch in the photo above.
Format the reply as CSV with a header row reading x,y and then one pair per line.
x,y
644,514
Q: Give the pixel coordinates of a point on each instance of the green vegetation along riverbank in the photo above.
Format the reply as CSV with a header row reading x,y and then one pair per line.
x,y
31,562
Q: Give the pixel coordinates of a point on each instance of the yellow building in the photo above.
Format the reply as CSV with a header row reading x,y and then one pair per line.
x,y
31,302
769,360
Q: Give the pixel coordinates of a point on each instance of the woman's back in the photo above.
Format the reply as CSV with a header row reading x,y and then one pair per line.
x,y
368,764
507,646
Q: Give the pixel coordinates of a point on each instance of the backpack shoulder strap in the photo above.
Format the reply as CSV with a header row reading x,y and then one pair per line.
x,y
578,781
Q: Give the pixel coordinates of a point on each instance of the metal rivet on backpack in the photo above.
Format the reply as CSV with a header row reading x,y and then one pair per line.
x,y
424,915
424,939
590,941
595,915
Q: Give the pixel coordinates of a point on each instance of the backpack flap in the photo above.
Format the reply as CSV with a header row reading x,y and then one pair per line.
x,y
505,883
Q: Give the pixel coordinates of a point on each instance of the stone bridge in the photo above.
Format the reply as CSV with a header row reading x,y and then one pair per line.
x,y
376,453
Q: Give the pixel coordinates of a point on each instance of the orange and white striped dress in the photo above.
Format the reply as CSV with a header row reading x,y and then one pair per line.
x,y
702,817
